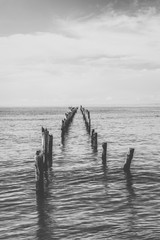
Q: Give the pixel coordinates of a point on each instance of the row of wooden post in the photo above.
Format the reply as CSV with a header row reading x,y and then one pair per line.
x,y
87,120
43,159
67,120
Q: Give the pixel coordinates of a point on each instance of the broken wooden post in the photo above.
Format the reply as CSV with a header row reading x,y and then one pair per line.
x,y
44,147
92,136
39,171
127,164
43,159
104,153
95,140
50,150
45,143
62,129
89,122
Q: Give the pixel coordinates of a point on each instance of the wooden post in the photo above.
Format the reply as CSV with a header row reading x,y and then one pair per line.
x,y
95,140
43,144
45,148
43,159
127,164
89,122
104,153
50,150
39,171
62,128
92,136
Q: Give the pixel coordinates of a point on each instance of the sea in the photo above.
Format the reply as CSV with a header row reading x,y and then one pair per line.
x,y
83,199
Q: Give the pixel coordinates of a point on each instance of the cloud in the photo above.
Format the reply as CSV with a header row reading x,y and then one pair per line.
x,y
85,60
107,37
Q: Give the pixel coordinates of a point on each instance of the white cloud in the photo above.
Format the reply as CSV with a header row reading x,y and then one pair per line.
x,y
84,61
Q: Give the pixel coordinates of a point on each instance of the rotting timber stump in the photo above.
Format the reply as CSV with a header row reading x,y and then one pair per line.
x,y
92,134
39,168
104,153
43,159
94,140
47,146
45,136
50,150
127,164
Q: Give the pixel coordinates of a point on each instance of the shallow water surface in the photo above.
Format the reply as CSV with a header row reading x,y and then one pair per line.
x,y
83,200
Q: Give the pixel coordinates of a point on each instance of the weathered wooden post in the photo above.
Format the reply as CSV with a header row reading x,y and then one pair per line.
x,y
62,128
127,164
89,117
104,153
39,171
89,122
45,148
95,140
92,136
50,150
43,159
43,144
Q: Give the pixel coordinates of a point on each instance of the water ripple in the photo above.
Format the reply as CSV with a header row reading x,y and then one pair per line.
x,y
83,200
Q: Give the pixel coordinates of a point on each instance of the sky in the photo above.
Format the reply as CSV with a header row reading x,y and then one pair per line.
x,y
79,52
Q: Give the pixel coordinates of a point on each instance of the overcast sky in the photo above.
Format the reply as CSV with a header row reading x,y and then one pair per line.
x,y
73,52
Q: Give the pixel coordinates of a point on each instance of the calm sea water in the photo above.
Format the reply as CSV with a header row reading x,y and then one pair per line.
x,y
83,200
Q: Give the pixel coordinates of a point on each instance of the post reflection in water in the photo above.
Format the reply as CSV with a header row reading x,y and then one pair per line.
x,y
131,197
44,212
129,185
105,171
43,231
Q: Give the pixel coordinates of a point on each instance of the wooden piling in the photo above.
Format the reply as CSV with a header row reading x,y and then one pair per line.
x,y
127,164
43,159
92,134
89,122
104,152
45,148
39,171
94,144
50,150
